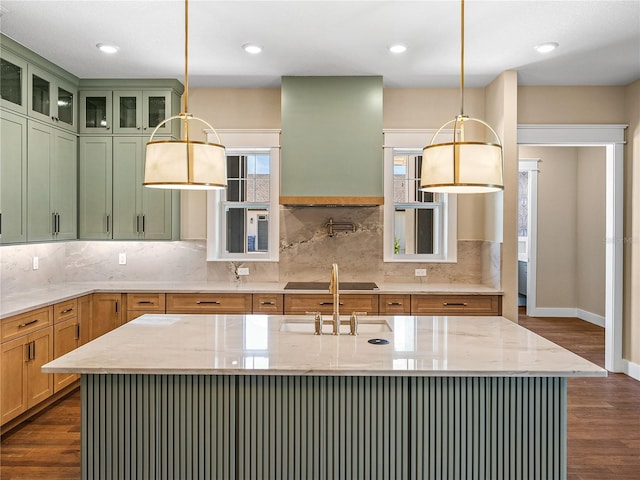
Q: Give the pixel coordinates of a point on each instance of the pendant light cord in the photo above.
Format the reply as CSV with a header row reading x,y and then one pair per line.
x,y
461,58
186,56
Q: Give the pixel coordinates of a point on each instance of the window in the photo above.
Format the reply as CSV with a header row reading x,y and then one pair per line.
x,y
419,226
243,218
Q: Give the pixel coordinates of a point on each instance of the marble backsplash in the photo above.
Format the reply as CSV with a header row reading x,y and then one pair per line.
x,y
306,254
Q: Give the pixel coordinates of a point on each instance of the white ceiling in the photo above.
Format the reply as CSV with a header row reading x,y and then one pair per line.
x,y
599,40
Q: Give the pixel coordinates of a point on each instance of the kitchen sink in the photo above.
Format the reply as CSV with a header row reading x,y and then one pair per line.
x,y
325,286
365,326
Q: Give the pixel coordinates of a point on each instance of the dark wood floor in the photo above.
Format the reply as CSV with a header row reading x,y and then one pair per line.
x,y
603,420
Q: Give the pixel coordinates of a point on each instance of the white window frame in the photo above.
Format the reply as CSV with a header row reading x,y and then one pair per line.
x,y
416,140
245,141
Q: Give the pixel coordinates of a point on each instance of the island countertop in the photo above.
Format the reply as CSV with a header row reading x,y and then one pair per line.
x,y
274,345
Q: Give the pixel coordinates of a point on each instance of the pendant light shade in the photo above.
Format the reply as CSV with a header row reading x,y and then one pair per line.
x,y
185,164
463,165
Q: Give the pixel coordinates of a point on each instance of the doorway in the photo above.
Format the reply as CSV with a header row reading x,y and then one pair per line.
x,y
612,138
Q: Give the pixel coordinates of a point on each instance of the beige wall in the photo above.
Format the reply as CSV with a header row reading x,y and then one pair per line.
x,y
590,230
577,105
571,228
631,327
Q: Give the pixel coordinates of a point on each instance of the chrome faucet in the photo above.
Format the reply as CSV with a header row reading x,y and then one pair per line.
x,y
334,287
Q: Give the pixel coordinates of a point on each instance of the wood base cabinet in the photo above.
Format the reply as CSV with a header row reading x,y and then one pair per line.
x,y
66,337
106,313
323,303
139,304
27,345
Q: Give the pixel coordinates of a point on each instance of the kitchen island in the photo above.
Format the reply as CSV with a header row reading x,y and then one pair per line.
x,y
257,396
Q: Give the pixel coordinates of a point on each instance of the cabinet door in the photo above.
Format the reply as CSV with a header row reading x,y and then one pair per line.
x,y
96,184
66,337
13,178
84,318
40,385
105,313
64,186
13,82
65,96
157,108
95,111
127,153
155,204
40,88
127,111
40,152
13,383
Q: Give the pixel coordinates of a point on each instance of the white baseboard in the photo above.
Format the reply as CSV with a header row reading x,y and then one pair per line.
x,y
568,312
631,369
591,318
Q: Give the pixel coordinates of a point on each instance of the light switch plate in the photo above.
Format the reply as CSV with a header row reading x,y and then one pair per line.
x,y
36,263
122,258
421,272
243,271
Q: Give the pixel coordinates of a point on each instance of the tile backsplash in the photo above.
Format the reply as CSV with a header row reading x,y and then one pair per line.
x,y
306,254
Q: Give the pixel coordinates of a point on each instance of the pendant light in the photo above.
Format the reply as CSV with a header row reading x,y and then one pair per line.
x,y
462,165
185,164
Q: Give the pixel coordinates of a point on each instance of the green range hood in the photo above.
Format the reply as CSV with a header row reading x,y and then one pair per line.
x,y
331,141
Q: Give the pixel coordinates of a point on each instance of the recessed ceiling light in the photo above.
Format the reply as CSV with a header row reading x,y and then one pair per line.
x,y
546,47
399,48
107,48
252,48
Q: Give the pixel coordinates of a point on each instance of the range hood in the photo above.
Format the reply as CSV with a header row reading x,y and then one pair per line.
x,y
331,141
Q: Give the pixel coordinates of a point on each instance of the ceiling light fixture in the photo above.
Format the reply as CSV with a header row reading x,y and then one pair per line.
x,y
398,48
185,164
252,48
107,48
546,47
462,166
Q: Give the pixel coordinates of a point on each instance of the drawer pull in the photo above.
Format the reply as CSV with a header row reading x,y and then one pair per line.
x,y
66,311
205,302
267,303
145,302
330,303
22,325
395,304
454,304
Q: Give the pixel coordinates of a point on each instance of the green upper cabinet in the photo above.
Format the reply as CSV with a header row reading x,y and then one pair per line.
x,y
13,82
140,112
51,99
95,111
96,188
331,140
51,183
139,212
13,178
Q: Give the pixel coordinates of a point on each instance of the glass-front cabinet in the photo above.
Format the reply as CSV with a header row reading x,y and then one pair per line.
x,y
141,111
95,111
13,82
51,99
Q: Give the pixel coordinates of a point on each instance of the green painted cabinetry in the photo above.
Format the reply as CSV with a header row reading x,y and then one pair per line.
x,y
113,202
140,111
13,178
52,99
138,212
51,183
13,82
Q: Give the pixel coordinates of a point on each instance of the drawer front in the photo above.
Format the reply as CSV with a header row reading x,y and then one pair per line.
x,y
65,310
395,304
24,323
208,303
456,304
268,303
149,302
302,303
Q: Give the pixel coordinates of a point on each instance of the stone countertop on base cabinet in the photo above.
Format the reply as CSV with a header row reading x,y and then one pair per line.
x,y
15,304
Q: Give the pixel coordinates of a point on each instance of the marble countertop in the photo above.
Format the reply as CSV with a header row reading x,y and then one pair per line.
x,y
274,345
14,304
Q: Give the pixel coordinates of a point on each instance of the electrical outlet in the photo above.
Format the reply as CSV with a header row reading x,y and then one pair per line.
x,y
243,271
122,258
36,263
421,272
